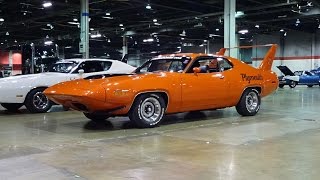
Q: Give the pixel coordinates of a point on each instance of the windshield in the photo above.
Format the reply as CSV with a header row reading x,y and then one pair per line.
x,y
169,65
64,67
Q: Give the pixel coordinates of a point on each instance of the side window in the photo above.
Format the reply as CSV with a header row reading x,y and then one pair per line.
x,y
90,66
224,64
176,66
106,65
200,63
211,64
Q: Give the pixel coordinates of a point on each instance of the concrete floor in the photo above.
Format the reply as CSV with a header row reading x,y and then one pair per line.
x,y
280,142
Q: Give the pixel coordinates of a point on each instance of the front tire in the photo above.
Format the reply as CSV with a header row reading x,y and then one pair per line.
x,y
96,117
281,85
249,103
310,86
12,107
293,84
37,102
147,110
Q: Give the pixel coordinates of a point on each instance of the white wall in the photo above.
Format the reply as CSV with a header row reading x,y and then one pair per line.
x,y
299,51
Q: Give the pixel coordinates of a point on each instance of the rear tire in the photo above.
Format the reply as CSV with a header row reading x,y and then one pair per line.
x,y
37,102
293,84
12,107
249,103
310,86
147,110
281,85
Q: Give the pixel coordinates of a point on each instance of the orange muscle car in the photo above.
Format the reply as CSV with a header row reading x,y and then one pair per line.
x,y
171,84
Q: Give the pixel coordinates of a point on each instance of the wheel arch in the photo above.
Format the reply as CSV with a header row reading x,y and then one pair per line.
x,y
38,87
162,93
257,88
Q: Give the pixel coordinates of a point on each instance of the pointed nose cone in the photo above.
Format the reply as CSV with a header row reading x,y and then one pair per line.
x,y
76,91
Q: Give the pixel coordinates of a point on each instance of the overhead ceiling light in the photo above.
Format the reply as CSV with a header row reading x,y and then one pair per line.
x,y
7,34
157,24
96,35
257,26
47,43
121,25
217,29
155,20
91,29
107,17
74,23
148,6
298,21
47,4
198,25
50,26
75,19
214,35
108,14
1,20
148,40
285,34
243,31
183,33
239,14
281,30
319,26
15,41
109,40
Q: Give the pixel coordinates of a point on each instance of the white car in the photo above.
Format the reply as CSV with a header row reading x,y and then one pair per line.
x,y
16,91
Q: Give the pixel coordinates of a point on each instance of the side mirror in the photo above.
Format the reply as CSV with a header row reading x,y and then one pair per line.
x,y
196,70
81,72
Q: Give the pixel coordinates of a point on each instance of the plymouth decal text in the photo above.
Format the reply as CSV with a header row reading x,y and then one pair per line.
x,y
245,77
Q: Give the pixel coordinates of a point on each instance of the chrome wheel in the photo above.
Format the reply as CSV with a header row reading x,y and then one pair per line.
x,y
252,101
150,110
40,101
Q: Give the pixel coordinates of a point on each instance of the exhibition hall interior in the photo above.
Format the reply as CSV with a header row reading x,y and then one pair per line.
x,y
159,89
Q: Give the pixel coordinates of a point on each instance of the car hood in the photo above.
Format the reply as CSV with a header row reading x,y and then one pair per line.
x,y
109,80
285,70
32,78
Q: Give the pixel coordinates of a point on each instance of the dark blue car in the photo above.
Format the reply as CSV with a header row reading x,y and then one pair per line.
x,y
316,71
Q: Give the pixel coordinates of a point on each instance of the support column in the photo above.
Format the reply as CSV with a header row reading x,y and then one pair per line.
x,y
313,50
124,46
316,46
208,47
10,59
33,52
230,27
57,51
84,35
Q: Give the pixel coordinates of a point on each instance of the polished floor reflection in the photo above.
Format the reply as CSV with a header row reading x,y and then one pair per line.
x,y
280,142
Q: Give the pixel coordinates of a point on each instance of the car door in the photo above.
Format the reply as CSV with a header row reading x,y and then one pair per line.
x,y
205,90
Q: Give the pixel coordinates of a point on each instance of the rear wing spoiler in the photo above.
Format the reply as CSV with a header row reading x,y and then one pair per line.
x,y
268,59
